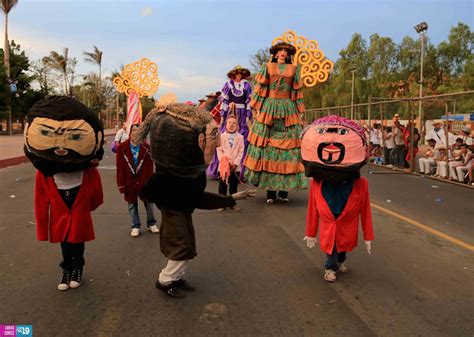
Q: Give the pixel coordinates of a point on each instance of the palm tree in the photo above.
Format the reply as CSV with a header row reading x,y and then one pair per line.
x,y
7,6
59,63
95,57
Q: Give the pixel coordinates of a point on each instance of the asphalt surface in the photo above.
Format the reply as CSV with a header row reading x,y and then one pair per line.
x,y
254,275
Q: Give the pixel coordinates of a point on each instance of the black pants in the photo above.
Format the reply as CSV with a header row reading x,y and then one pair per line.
x,y
387,153
233,183
73,253
73,256
273,194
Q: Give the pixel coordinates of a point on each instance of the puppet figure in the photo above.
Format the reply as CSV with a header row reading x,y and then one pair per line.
x,y
63,140
183,139
333,151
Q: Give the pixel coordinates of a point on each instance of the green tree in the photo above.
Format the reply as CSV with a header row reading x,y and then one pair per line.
x,y
64,66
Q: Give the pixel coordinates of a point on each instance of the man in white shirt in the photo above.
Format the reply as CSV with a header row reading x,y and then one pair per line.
x,y
466,135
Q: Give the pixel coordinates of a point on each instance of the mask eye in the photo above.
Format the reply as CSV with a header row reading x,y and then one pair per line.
x,y
75,136
343,131
321,130
46,133
214,134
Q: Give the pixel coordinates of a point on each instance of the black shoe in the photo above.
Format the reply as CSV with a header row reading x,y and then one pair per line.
x,y
170,290
76,278
65,280
183,285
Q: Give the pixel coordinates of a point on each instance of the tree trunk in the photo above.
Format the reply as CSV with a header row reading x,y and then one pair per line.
x,y
6,54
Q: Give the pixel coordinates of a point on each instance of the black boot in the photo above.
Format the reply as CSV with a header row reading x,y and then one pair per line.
x,y
183,285
76,277
171,290
65,281
283,196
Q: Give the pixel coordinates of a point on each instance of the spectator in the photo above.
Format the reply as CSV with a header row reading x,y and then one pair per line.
x,y
375,138
427,162
466,135
441,161
438,134
121,134
416,139
389,145
398,153
134,169
457,169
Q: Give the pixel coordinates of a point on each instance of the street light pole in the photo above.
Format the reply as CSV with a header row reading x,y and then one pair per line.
x,y
352,94
421,29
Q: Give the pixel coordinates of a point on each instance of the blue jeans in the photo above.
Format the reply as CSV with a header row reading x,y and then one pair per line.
x,y
334,259
133,210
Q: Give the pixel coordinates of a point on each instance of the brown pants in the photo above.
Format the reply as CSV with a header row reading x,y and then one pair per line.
x,y
177,239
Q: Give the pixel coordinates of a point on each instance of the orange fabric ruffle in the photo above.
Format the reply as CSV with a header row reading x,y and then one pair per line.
x,y
296,95
285,144
273,166
267,119
261,79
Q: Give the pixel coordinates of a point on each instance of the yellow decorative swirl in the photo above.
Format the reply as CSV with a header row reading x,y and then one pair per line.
x,y
140,76
315,67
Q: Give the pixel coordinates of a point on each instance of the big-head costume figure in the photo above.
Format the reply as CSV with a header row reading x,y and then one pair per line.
x,y
183,139
333,150
63,140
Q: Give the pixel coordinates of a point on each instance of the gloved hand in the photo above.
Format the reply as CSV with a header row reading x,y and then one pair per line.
x,y
310,242
368,246
248,193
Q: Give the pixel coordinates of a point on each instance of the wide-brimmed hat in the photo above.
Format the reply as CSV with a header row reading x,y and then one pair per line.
x,y
437,123
201,100
239,70
283,45
440,147
214,94
466,129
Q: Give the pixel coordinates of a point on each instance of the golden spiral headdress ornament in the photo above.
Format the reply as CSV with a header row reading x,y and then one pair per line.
x,y
315,67
140,76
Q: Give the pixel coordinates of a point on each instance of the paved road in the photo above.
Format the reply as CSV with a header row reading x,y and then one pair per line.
x,y
254,275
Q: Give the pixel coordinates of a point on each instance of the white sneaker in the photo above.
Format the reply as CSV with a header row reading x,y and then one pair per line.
x,y
221,209
154,229
343,268
329,275
284,199
135,232
270,201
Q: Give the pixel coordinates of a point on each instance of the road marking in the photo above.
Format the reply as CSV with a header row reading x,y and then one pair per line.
x,y
425,227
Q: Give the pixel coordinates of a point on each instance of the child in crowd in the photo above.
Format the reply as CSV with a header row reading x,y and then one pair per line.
x,y
134,169
230,154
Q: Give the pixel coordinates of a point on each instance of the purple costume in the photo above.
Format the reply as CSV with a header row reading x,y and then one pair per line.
x,y
238,93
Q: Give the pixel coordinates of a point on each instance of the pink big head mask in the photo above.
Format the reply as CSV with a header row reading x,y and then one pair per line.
x,y
333,148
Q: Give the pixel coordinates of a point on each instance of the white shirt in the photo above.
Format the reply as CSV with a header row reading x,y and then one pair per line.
x,y
374,136
440,137
68,180
389,142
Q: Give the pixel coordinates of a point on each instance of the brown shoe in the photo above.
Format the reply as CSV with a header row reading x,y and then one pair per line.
x,y
236,208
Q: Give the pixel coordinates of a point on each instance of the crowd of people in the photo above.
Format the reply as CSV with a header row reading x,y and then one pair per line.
x,y
444,156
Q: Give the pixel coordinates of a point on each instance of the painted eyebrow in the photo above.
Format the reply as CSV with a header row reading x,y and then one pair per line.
x,y
77,129
47,126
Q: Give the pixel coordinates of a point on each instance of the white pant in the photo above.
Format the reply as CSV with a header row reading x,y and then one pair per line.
x,y
426,164
173,271
452,169
461,172
441,169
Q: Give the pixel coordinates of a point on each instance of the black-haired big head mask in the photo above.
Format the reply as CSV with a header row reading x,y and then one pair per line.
x,y
62,135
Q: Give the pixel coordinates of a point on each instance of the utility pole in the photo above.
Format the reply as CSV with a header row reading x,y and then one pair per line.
x,y
421,29
352,94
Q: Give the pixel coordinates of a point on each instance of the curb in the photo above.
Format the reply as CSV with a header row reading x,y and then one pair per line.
x,y
452,182
23,159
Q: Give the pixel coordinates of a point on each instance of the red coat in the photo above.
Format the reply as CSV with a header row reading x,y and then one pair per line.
x,y
55,221
344,230
130,179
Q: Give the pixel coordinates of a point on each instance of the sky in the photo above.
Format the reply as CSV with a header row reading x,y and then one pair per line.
x,y
195,43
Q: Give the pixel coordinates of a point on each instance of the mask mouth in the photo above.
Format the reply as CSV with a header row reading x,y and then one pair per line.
x,y
331,153
61,152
